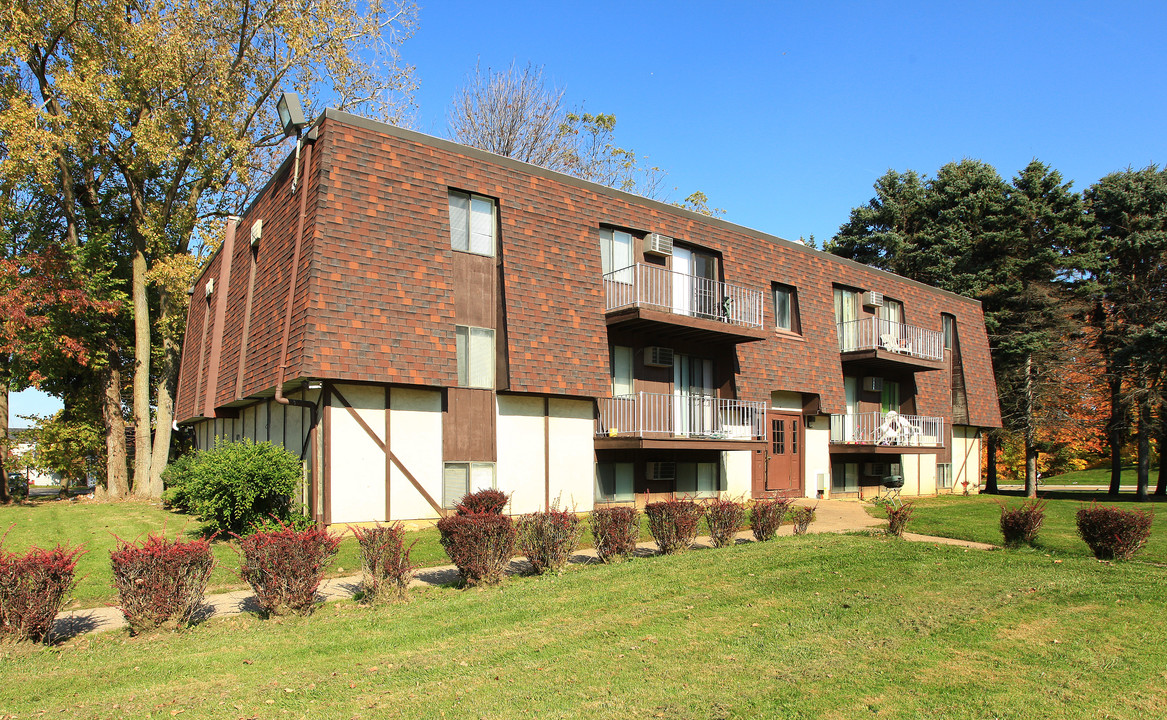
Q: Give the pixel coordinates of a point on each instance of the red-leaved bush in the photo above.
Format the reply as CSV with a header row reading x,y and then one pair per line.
x,y
615,531
548,538
766,516
488,501
1114,534
479,544
32,588
285,567
802,517
1019,525
673,524
897,518
160,580
384,560
724,518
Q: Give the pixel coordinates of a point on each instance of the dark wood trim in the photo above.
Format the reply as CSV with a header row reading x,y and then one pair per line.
x,y
254,253
546,453
633,443
220,295
388,445
326,402
385,448
199,400
880,359
642,319
856,449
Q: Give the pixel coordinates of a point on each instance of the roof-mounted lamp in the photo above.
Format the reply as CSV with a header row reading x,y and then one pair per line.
x,y
292,121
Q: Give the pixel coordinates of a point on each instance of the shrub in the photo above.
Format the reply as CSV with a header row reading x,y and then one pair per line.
x,y
480,544
236,485
177,480
802,517
285,567
548,538
384,561
488,501
673,524
160,580
724,518
32,588
296,520
1114,534
616,531
766,516
897,518
1020,525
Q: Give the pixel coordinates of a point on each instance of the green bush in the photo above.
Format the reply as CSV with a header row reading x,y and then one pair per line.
x,y
236,485
176,480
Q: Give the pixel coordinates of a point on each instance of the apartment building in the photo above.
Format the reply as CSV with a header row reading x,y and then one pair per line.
x,y
416,319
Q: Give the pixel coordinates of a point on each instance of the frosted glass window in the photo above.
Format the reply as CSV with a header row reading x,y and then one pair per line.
x,y
460,478
475,348
472,223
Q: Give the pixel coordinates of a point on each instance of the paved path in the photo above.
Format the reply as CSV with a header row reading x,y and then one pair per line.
x,y
833,516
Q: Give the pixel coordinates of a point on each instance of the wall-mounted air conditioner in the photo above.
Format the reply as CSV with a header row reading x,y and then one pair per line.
x,y
210,287
875,469
256,232
872,298
662,471
658,244
873,384
655,356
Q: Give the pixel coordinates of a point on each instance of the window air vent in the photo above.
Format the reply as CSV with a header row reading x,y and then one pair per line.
x,y
873,384
659,244
655,356
662,471
256,232
875,469
872,298
210,287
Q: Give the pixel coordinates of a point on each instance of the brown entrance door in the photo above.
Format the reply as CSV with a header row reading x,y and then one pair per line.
x,y
778,466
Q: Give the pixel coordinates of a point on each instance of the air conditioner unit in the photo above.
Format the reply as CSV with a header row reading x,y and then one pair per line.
x,y
210,287
655,356
873,299
875,469
659,244
662,471
256,232
873,384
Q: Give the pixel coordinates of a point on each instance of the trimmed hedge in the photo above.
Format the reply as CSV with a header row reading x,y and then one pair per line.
x,y
285,567
32,588
766,516
548,538
673,524
1114,534
385,561
615,530
161,580
1019,525
724,518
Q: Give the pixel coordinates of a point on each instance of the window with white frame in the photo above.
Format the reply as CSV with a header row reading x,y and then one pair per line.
x,y
944,475
475,347
472,223
785,308
622,382
616,254
462,478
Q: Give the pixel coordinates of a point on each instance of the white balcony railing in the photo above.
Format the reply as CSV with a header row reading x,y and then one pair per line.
x,y
874,333
659,288
686,416
890,428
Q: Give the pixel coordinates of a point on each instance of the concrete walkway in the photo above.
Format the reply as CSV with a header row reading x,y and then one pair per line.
x,y
833,516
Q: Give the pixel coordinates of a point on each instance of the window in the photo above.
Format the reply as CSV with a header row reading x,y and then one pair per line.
x,y
944,476
475,348
614,482
846,317
698,479
461,478
949,330
890,396
472,223
845,478
785,308
616,254
621,371
892,311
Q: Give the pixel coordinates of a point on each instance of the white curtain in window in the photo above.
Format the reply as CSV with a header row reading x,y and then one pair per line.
x,y
481,358
455,483
481,226
616,254
621,371
459,221
481,476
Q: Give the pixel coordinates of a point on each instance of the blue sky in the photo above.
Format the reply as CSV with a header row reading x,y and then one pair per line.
x,y
784,114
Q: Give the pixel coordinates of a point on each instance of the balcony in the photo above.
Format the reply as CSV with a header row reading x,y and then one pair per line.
x,y
888,343
664,418
642,295
886,432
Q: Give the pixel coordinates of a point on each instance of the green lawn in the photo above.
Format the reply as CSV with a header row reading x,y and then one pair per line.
x,y
820,626
1100,476
978,517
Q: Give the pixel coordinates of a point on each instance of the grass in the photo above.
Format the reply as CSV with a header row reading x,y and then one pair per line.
x,y
802,627
95,526
1099,476
977,518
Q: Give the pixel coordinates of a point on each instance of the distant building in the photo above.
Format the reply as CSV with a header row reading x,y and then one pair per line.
x,y
453,320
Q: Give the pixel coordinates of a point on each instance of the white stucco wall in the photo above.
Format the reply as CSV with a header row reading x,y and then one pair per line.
x,y
966,458
573,457
356,464
520,446
415,436
737,467
817,456
919,474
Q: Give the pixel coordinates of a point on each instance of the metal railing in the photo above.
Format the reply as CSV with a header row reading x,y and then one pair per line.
x,y
659,288
890,428
646,414
874,333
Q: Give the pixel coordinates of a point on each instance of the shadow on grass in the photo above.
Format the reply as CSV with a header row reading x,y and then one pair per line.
x,y
1083,496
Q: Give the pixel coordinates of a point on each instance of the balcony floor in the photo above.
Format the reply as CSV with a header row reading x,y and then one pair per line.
x,y
604,442
643,319
838,448
880,359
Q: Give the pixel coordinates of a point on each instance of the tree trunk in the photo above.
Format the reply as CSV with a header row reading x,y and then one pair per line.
x,y
991,463
1161,488
167,384
117,485
5,498
142,444
1144,444
1030,434
1114,433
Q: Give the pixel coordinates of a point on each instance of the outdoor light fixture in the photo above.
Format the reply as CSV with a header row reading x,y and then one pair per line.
x,y
291,120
